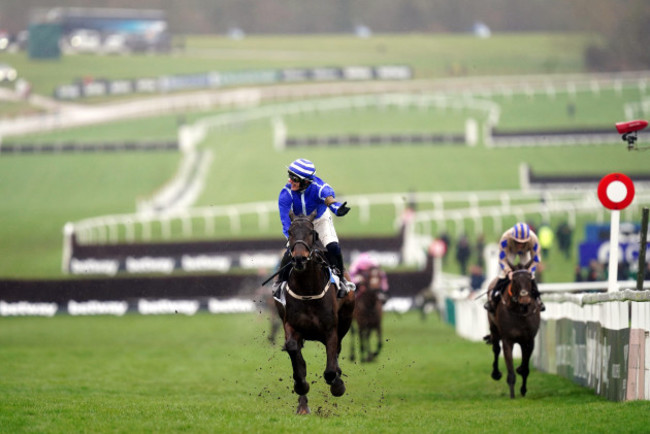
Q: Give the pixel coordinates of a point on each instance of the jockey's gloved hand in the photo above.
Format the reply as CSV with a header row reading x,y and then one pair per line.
x,y
342,210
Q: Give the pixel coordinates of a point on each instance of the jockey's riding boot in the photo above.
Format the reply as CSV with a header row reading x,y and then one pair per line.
x,y
542,307
491,304
335,258
345,285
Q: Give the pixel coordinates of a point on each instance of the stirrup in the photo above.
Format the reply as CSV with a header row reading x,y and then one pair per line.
x,y
278,287
345,287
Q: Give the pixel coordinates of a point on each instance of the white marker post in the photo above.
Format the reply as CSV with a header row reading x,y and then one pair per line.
x,y
437,249
616,192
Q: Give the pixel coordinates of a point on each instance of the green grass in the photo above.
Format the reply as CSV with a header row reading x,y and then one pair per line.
x,y
599,109
40,194
361,170
430,55
9,109
217,373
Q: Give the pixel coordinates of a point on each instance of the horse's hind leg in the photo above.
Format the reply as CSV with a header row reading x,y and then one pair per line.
x,y
523,369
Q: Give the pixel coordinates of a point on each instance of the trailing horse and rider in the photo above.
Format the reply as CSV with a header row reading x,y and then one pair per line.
x,y
518,242
515,320
371,294
514,303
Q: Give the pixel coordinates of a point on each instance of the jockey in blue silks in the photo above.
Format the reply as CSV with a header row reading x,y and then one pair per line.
x,y
303,193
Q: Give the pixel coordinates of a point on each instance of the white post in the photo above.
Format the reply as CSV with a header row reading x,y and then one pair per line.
x,y
279,133
437,273
612,285
491,258
471,132
68,232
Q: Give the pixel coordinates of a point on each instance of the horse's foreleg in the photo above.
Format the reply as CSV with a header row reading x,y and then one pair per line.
x,y
496,349
364,341
523,369
303,408
512,377
352,349
379,341
332,371
293,346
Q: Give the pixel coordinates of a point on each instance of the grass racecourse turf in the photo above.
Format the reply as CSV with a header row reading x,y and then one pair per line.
x,y
218,373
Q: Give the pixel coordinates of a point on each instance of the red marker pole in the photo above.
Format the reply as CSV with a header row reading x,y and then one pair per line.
x,y
616,192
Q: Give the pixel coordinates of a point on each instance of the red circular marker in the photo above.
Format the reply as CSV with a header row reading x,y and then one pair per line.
x,y
615,191
438,248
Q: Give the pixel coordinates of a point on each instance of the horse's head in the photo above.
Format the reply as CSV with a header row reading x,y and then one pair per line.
x,y
371,278
302,239
521,289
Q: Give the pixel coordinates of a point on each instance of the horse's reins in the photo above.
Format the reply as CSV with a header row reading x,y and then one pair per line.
x,y
509,286
276,273
290,263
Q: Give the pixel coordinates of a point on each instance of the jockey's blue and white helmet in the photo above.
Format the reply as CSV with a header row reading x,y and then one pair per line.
x,y
304,169
521,232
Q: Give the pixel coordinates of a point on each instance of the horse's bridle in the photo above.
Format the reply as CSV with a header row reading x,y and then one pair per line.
x,y
314,251
314,254
522,292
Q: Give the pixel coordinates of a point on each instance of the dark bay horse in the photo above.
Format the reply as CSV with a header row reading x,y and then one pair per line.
x,y
368,312
312,311
515,321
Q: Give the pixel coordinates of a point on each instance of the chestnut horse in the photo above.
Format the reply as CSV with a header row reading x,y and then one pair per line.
x,y
368,312
515,321
312,311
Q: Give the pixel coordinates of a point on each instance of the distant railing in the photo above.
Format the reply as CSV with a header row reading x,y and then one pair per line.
x,y
473,87
456,207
